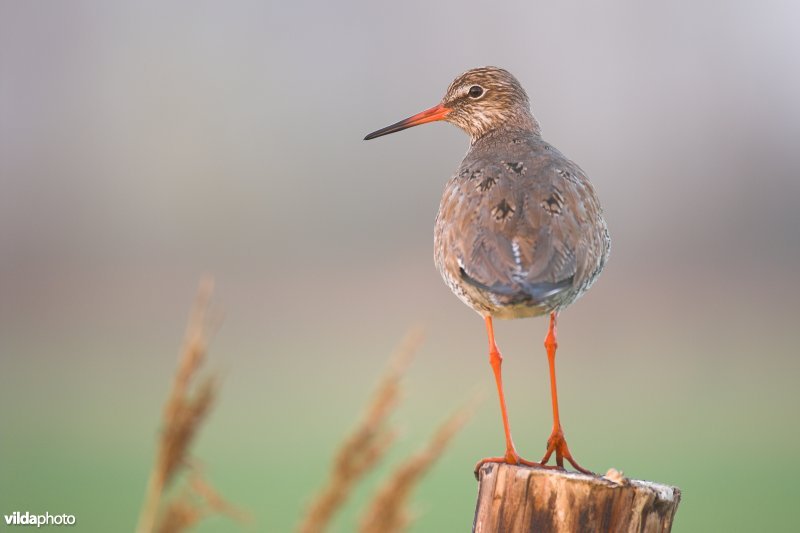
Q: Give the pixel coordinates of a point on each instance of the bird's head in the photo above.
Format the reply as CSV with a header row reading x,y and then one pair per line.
x,y
478,101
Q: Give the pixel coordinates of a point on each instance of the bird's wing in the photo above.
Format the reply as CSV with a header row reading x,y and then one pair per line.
x,y
524,226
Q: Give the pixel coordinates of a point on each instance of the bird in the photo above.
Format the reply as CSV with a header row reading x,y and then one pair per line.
x,y
520,230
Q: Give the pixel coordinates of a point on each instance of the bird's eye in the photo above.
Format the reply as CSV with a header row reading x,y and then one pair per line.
x,y
476,91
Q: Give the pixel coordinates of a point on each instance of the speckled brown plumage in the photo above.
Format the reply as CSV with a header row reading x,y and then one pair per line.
x,y
520,230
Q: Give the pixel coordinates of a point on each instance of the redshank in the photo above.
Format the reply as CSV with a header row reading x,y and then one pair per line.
x,y
520,230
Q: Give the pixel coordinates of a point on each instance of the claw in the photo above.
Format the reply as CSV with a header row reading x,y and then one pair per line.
x,y
558,444
511,457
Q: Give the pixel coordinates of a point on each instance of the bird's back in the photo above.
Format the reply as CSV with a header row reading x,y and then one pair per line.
x,y
520,230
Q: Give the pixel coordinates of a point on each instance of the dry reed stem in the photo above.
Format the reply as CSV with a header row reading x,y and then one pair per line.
x,y
388,512
184,413
180,515
366,445
196,501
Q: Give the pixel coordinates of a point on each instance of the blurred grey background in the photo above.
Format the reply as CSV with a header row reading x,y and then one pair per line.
x,y
143,144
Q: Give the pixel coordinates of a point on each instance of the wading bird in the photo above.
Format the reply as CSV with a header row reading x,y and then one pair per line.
x,y
520,230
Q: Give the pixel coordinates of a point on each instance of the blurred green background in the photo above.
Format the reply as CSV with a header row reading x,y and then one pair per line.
x,y
143,144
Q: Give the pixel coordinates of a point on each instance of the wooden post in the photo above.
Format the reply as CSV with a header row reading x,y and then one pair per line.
x,y
513,499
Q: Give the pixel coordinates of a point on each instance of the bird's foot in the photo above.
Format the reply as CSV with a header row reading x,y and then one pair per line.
x,y
558,444
511,457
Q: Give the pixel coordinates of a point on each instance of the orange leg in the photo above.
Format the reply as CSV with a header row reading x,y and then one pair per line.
x,y
496,360
556,443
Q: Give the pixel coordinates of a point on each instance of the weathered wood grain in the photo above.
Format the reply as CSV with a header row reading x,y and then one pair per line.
x,y
516,499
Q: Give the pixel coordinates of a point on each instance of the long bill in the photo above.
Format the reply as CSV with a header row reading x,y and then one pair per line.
x,y
435,113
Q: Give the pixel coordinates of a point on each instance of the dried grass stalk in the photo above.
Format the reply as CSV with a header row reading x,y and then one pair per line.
x,y
388,512
366,445
185,411
180,515
196,501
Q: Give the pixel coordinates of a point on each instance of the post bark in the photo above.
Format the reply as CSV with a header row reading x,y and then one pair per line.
x,y
514,499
